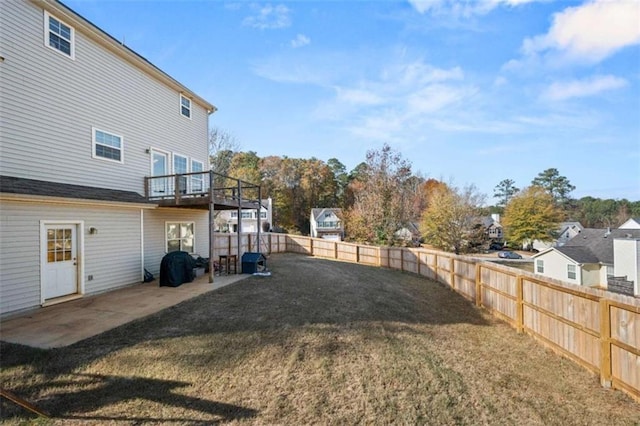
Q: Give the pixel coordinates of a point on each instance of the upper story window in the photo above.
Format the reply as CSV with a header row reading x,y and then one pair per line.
x,y
234,215
185,106
263,215
247,214
540,266
59,36
108,146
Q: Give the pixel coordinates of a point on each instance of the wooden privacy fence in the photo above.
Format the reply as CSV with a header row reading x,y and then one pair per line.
x,y
597,329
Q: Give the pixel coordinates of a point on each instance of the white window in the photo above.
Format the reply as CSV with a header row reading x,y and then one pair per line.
x,y
180,236
59,36
181,166
540,266
234,215
571,272
247,214
609,271
263,215
185,106
107,146
197,181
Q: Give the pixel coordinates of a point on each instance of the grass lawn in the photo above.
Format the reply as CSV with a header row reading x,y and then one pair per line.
x,y
319,342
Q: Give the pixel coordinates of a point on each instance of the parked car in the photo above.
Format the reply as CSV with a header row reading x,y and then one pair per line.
x,y
496,246
508,255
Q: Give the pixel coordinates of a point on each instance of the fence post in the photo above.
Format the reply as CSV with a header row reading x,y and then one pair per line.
x,y
452,272
402,259
249,243
357,254
519,305
605,340
478,284
419,260
435,267
335,250
311,246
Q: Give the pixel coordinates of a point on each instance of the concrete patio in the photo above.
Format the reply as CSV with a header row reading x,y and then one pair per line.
x,y
66,323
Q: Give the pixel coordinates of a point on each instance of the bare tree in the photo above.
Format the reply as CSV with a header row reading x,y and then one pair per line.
x,y
222,146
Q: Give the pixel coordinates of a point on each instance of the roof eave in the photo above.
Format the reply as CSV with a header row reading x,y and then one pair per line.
x,y
101,37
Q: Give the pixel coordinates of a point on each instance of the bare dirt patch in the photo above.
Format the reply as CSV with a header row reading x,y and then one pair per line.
x,y
318,342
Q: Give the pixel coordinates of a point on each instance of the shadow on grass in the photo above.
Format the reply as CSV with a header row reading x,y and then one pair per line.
x,y
111,390
301,292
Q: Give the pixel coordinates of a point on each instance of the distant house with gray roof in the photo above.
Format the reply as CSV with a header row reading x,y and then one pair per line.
x,y
593,258
565,232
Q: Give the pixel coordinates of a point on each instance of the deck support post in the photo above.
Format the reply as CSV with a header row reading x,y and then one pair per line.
x,y
212,227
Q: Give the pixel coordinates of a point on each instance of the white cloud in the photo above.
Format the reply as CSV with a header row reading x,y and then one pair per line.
x,y
357,96
582,88
462,8
300,41
268,17
590,32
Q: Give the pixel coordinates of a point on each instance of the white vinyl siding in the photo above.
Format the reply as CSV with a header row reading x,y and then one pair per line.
x,y
111,257
46,120
59,36
107,146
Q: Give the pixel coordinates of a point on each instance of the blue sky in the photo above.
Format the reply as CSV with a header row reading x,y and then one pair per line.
x,y
472,92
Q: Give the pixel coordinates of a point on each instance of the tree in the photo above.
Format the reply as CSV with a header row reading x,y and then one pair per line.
x,y
341,179
449,223
504,191
379,197
531,215
222,146
557,186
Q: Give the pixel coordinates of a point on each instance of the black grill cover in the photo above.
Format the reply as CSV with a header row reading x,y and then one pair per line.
x,y
176,268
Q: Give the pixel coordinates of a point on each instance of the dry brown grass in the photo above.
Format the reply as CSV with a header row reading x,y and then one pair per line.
x,y
318,342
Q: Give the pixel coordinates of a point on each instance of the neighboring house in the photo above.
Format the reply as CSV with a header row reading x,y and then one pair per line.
x,y
565,232
633,223
409,234
84,120
490,226
592,258
227,220
327,223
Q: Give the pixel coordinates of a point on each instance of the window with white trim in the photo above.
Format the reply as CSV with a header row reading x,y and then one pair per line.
x,y
107,146
197,181
185,106
540,266
571,272
59,36
234,214
181,166
247,214
180,236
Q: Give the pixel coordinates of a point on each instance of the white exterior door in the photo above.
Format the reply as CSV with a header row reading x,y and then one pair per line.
x,y
60,261
160,167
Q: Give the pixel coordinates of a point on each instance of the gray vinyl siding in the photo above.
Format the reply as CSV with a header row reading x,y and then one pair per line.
x,y
112,255
154,233
49,104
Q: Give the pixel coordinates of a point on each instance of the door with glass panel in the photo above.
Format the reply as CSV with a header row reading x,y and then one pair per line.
x,y
160,167
181,166
60,267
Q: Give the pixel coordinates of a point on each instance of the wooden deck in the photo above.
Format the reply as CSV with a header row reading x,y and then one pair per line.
x,y
195,190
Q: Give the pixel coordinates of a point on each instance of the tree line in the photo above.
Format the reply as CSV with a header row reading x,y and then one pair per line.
x,y
382,195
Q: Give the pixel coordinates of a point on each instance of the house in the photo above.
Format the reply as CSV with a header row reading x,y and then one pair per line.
x,y
633,223
593,258
250,220
327,223
103,160
565,232
410,234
